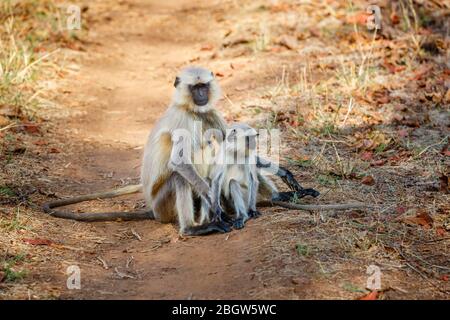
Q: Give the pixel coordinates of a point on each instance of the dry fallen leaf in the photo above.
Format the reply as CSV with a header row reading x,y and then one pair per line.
x,y
447,96
392,67
9,110
445,148
368,180
440,231
40,142
367,156
421,72
378,163
373,295
280,7
422,218
54,150
444,183
289,42
31,127
394,18
4,121
38,242
403,133
400,210
207,47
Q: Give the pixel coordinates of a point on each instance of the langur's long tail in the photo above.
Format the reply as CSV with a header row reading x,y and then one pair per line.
x,y
98,216
313,207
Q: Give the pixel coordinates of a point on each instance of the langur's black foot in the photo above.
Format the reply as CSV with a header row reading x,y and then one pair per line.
x,y
221,217
212,227
226,218
238,223
308,192
293,195
254,214
225,227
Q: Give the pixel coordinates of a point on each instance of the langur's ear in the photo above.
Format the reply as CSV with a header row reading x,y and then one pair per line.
x,y
231,135
177,81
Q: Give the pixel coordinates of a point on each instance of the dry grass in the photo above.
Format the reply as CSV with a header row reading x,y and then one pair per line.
x,y
31,35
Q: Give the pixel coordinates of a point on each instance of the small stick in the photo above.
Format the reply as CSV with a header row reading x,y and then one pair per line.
x,y
430,146
136,235
129,260
105,265
123,275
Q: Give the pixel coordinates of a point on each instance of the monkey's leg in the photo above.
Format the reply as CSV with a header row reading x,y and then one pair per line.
x,y
286,176
268,190
283,173
239,206
185,211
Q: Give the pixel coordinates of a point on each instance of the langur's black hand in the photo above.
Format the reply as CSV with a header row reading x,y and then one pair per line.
x,y
226,218
308,192
254,214
238,223
212,227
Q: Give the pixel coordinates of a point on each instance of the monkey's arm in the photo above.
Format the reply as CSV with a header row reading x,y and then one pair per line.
x,y
98,216
190,174
180,162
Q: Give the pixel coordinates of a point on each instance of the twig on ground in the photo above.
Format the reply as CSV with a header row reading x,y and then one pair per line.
x,y
123,275
136,234
129,260
105,265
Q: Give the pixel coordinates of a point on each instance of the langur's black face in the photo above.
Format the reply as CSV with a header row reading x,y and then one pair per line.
x,y
200,93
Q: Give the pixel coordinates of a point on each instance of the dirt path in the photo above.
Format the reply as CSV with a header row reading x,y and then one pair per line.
x,y
122,87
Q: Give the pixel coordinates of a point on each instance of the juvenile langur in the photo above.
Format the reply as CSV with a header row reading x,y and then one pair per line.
x,y
235,174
